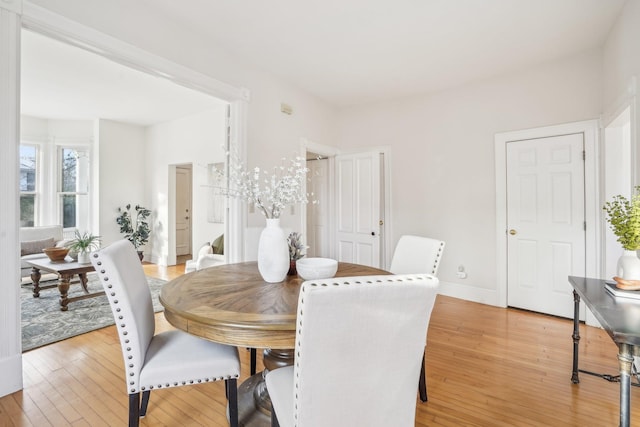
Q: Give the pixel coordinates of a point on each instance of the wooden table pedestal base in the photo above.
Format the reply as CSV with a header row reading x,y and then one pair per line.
x,y
254,404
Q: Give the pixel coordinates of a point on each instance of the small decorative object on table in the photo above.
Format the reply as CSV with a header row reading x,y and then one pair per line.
x,y
317,268
271,194
627,285
136,230
56,254
623,216
82,245
295,251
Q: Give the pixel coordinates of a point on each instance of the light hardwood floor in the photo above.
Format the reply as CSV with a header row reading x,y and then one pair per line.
x,y
486,366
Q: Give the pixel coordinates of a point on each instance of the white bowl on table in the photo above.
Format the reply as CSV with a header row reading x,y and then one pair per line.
x,y
316,268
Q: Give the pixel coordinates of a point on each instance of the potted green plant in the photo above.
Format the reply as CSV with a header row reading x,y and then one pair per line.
x,y
135,225
82,245
295,251
623,216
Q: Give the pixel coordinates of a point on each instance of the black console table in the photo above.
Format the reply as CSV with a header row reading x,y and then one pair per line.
x,y
620,317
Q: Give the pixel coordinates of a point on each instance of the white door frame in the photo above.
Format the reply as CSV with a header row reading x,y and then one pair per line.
x,y
17,14
592,205
50,24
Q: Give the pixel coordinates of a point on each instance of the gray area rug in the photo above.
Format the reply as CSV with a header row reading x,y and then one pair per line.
x,y
43,323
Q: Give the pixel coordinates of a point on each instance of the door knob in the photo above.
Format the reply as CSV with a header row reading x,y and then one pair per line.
x,y
513,232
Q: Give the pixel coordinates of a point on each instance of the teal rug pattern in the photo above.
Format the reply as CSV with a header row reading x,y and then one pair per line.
x,y
43,323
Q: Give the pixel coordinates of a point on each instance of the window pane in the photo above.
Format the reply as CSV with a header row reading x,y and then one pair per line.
x,y
74,170
27,210
75,211
69,169
28,168
68,211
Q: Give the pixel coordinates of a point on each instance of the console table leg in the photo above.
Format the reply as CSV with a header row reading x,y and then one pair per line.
x,y
35,277
625,359
576,337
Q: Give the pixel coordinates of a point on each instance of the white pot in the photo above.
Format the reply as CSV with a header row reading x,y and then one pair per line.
x,y
629,266
273,252
83,258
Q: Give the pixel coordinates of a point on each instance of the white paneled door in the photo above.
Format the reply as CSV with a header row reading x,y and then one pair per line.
x,y
358,208
183,211
546,222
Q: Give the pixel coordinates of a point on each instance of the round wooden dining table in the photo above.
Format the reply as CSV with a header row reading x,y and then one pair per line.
x,y
232,304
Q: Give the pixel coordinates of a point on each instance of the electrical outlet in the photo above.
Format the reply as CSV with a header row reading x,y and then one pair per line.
x,y
462,274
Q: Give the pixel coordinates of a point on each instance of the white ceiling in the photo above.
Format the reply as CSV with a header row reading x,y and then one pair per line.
x,y
359,51
59,81
346,52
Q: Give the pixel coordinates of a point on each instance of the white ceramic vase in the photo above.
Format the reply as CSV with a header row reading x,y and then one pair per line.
x,y
629,266
273,252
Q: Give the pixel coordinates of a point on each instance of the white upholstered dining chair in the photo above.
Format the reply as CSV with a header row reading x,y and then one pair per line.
x,y
347,329
153,361
416,254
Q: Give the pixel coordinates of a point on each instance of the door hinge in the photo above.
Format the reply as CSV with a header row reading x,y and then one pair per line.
x,y
584,155
585,226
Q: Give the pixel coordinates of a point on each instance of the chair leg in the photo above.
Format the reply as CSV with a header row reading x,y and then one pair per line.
x,y
145,403
232,396
274,418
253,361
422,385
134,410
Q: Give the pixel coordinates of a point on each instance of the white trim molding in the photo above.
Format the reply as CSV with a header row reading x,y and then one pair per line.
x,y
590,130
468,292
10,336
14,6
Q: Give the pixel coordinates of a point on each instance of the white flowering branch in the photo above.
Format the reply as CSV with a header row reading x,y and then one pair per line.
x,y
270,193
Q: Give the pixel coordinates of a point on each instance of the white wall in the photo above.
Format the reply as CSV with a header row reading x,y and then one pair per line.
x,y
621,53
197,140
621,64
121,175
442,155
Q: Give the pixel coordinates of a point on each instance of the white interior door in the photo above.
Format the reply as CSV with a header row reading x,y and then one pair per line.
x,y
318,213
546,222
358,208
183,211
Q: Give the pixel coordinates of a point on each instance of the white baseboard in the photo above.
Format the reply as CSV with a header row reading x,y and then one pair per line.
x,y
469,293
11,368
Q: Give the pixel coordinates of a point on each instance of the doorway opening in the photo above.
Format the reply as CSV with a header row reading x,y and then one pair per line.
x,y
318,214
183,217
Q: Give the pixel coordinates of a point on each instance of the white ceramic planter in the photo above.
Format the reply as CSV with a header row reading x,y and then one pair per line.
x,y
629,266
273,252
83,258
